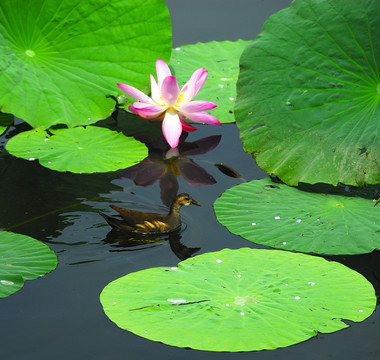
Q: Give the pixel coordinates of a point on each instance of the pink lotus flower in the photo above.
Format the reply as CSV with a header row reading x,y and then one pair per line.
x,y
170,104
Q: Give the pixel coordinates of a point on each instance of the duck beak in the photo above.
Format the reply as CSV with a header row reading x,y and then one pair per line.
x,y
195,202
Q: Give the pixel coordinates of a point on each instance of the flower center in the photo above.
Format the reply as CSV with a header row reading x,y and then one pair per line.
x,y
179,100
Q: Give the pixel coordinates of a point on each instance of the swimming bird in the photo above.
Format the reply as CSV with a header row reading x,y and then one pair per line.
x,y
138,222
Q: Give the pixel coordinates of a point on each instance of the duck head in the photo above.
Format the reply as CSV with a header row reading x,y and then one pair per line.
x,y
186,199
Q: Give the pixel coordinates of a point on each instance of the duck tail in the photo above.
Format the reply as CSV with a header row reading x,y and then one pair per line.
x,y
113,222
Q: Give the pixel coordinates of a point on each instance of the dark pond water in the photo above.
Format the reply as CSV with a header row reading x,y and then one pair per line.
x,y
59,316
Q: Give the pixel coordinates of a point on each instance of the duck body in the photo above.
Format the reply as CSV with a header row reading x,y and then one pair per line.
x,y
138,222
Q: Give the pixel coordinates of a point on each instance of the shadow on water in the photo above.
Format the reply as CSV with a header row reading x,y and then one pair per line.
x,y
123,241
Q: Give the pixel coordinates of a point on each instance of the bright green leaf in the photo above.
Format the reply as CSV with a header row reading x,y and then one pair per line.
x,y
239,300
284,217
221,60
309,90
59,60
79,150
22,258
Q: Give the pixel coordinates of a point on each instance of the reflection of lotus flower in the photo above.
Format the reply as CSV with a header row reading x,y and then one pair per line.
x,y
170,104
167,164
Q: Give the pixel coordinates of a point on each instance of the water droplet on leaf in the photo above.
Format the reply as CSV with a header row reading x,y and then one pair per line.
x,y
176,301
6,282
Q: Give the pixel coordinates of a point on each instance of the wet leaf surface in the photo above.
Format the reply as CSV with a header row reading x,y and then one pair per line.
x,y
239,300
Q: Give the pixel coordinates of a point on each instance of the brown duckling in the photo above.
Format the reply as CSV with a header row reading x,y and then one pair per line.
x,y
150,223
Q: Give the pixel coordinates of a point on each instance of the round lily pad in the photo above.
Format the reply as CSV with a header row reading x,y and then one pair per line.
x,y
22,258
309,90
284,217
221,60
79,150
60,60
239,300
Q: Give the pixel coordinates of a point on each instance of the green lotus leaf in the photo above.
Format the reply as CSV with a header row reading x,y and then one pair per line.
x,y
308,93
239,300
284,217
79,150
131,125
5,121
22,258
60,60
221,60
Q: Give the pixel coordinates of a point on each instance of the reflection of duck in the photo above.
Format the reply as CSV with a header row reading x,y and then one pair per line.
x,y
150,223
126,241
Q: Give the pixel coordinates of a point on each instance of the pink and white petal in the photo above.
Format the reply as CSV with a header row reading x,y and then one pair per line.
x,y
200,82
189,88
197,106
203,117
196,75
170,91
162,70
154,90
141,105
184,88
132,109
186,126
172,128
147,112
136,93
